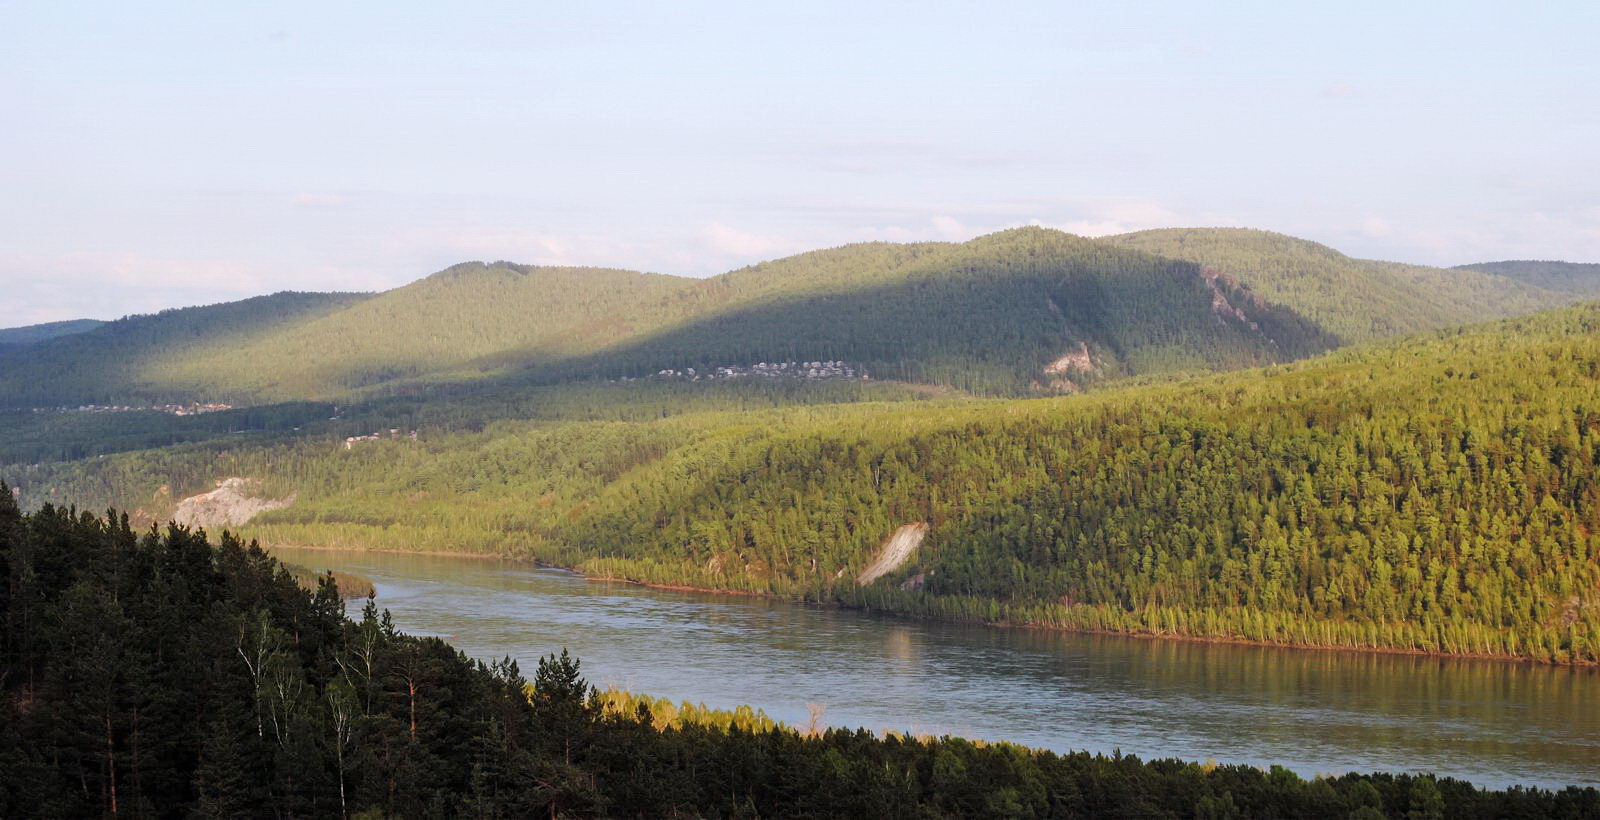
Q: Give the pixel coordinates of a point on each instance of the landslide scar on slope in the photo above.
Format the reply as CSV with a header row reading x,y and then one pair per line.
x,y
894,552
234,501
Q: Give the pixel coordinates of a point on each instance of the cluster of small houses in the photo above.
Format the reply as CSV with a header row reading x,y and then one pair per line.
x,y
175,409
392,433
770,370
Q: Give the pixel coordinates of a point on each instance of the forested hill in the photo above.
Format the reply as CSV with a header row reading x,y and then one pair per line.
x,y
460,323
157,675
1017,312
1026,311
1357,299
1020,311
138,359
1436,493
31,334
1577,278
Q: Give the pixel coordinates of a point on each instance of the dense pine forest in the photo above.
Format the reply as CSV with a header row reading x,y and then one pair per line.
x,y
1436,494
1022,312
158,675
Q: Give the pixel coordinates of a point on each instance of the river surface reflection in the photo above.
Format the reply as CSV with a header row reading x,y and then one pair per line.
x,y
1495,724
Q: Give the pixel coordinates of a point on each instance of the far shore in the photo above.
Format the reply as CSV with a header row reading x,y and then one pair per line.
x,y
998,624
437,553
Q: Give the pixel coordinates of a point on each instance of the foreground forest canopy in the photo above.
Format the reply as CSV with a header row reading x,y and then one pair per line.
x,y
1435,494
159,675
1027,311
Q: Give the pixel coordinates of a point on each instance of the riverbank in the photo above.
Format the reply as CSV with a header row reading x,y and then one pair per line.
x,y
351,585
739,593
998,623
1314,712
1073,630
384,551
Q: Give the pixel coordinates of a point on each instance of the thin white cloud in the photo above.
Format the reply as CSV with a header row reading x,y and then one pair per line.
x,y
133,269
728,241
893,148
1094,218
516,244
1123,215
319,199
936,228
868,157
713,248
1338,90
112,284
1091,227
108,284
89,293
951,228
1573,236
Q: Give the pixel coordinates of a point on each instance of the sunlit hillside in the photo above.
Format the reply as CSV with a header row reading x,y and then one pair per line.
x,y
1357,299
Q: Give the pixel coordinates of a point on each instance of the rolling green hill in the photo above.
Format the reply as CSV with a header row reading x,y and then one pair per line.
x,y
1436,493
132,359
31,334
462,322
1013,312
1019,312
1577,278
1357,299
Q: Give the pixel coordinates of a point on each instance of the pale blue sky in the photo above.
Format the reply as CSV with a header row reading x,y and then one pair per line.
x,y
158,154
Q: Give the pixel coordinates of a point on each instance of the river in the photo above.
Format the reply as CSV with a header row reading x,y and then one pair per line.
x,y
1496,724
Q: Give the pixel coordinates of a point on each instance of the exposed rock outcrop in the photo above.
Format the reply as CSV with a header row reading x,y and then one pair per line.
x,y
234,501
1078,361
1224,309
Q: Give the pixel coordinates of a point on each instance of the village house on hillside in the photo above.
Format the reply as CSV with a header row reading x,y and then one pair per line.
x,y
812,371
193,409
393,433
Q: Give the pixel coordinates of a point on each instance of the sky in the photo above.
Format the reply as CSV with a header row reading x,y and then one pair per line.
x,y
159,154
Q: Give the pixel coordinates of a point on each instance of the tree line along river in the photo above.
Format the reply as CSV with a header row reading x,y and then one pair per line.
x,y
1496,724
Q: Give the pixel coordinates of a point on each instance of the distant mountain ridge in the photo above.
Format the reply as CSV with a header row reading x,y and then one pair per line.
x,y
1358,299
133,358
1013,312
1577,278
32,334
467,320
1018,312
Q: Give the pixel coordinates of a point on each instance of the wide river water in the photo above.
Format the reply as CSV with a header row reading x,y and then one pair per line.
x,y
1495,724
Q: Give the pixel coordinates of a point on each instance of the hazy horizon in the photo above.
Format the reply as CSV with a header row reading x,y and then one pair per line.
x,y
169,155
425,274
